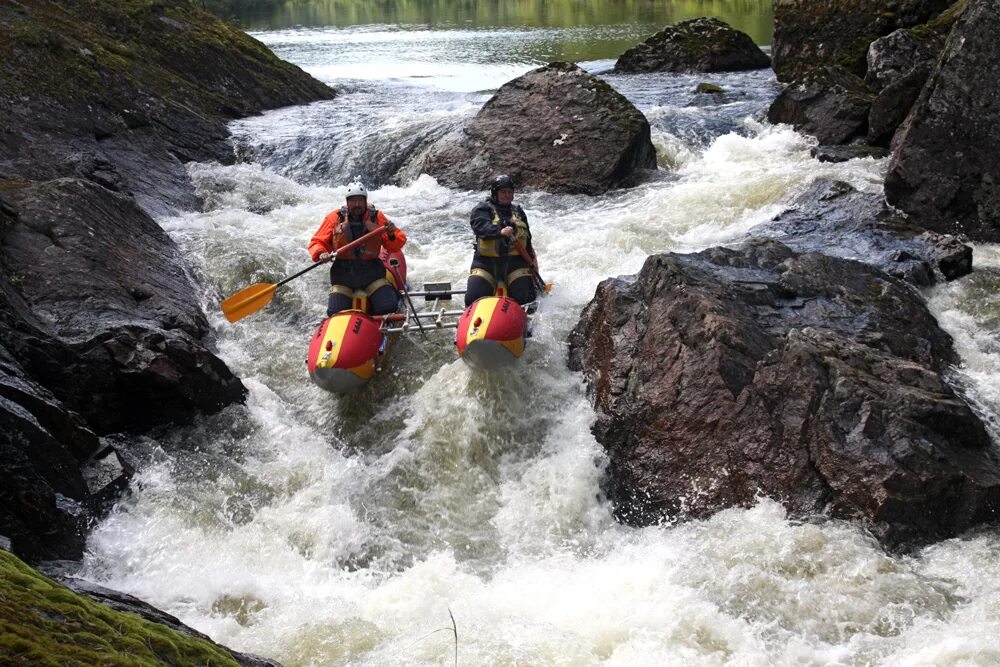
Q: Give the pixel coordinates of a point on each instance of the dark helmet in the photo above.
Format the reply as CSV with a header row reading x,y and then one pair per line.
x,y
502,181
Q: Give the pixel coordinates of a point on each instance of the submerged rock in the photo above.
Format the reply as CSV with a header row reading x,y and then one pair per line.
x,y
557,128
696,45
810,379
944,170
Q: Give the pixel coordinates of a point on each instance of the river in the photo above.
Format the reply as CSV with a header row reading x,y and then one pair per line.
x,y
323,530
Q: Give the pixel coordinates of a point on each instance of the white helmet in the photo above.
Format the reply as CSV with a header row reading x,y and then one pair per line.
x,y
357,189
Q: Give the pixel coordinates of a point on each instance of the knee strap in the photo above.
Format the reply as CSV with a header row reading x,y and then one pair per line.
x,y
484,274
342,290
376,285
517,274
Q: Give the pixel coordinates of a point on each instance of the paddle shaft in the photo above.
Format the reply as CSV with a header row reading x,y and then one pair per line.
x,y
402,288
532,263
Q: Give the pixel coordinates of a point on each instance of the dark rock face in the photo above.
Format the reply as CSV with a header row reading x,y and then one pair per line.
x,y
816,33
41,447
557,128
121,341
829,103
835,219
845,153
891,57
125,95
697,45
810,379
101,103
893,103
944,172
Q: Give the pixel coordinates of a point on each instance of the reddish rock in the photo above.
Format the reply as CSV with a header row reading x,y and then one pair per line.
x,y
813,380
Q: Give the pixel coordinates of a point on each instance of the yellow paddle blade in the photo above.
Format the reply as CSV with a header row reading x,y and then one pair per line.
x,y
548,288
248,300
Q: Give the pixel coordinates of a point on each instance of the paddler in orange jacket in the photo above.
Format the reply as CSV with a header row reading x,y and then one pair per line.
x,y
360,268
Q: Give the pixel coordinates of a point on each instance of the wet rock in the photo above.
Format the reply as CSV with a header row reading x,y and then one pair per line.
x,y
696,45
810,379
120,321
557,128
829,103
704,88
943,173
100,325
41,446
845,153
835,219
821,33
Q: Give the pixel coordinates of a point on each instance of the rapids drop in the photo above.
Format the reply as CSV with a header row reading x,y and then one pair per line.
x,y
324,530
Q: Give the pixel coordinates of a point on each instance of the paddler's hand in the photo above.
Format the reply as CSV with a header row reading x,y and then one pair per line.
x,y
507,231
325,257
390,230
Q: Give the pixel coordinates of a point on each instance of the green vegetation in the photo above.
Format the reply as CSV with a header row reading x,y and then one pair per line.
x,y
751,16
43,623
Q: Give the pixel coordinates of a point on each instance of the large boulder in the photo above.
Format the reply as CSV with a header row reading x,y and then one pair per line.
x,y
696,45
818,33
101,103
814,380
556,128
943,173
830,103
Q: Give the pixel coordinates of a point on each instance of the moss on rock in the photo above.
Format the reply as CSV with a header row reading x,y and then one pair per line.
x,y
43,623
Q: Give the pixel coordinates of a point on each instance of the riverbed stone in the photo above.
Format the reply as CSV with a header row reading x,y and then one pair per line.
x,y
696,45
556,128
943,172
728,374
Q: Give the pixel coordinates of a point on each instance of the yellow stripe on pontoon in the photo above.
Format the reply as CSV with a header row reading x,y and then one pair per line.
x,y
334,333
484,310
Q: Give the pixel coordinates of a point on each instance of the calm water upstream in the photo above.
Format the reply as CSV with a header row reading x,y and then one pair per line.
x,y
320,530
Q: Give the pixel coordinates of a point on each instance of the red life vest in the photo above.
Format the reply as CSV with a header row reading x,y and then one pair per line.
x,y
370,249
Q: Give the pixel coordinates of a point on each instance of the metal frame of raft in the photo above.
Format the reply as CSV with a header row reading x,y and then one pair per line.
x,y
350,347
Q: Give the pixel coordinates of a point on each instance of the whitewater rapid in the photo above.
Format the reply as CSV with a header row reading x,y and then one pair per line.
x,y
323,530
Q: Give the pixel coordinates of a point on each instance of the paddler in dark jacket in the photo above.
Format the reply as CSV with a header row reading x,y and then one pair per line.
x,y
497,222
360,268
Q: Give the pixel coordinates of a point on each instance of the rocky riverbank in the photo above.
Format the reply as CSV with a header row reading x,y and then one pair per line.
x,y
101,328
